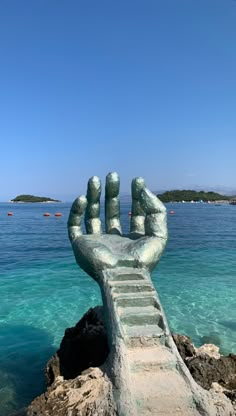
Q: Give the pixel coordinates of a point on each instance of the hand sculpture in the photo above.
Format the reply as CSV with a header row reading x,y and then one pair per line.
x,y
141,248
146,371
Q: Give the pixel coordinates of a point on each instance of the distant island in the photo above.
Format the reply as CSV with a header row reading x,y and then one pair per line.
x,y
32,198
190,195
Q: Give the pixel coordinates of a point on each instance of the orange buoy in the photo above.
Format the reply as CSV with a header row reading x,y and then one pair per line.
x,y
172,212
46,214
10,214
58,214
130,213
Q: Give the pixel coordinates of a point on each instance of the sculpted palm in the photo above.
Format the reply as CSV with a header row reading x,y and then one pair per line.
x,y
141,248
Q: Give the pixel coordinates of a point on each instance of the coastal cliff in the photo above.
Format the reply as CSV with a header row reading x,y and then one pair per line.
x,y
78,374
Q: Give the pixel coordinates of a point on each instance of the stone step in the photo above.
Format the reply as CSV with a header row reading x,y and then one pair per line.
x,y
159,393
141,319
150,358
128,273
138,310
131,287
142,316
137,331
127,276
125,300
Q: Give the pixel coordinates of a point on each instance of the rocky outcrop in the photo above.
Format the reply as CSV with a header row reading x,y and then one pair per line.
x,y
76,388
84,345
208,368
87,395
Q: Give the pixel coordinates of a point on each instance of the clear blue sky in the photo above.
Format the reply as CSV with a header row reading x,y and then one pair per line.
x,y
144,88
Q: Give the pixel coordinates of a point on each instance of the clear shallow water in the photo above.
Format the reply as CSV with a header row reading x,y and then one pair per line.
x,y
43,291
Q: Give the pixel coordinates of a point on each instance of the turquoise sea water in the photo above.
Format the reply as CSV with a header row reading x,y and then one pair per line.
x,y
43,291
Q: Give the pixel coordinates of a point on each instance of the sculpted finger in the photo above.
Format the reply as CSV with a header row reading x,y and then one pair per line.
x,y
148,250
75,217
155,220
112,204
92,214
137,213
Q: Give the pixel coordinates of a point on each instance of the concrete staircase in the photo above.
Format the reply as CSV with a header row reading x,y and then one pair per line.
x,y
158,385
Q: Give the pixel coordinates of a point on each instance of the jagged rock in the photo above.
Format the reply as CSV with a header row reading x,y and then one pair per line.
x,y
217,387
187,349
210,349
84,345
74,392
206,370
231,394
185,346
87,395
206,365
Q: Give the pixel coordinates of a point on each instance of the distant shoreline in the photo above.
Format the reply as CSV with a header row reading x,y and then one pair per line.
x,y
21,199
192,196
34,202
224,201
